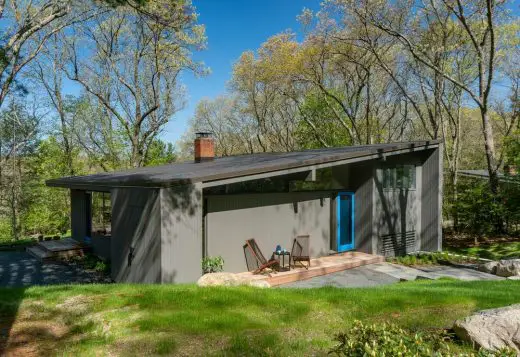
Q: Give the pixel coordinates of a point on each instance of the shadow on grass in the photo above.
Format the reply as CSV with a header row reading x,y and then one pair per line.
x,y
497,251
10,300
168,319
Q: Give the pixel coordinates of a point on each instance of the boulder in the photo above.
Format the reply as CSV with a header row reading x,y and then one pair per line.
x,y
218,279
230,279
510,267
490,267
259,284
492,329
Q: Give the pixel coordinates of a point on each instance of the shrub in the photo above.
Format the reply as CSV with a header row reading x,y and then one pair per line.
x,y
388,340
433,258
212,264
102,267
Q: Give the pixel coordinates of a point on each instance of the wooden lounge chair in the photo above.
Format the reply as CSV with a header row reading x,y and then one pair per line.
x,y
255,260
300,251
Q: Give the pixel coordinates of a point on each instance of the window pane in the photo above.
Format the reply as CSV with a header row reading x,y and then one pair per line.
x,y
388,178
400,176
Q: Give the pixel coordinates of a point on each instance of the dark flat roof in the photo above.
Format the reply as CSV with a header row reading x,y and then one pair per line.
x,y
232,166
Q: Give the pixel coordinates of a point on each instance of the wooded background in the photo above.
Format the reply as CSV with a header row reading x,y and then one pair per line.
x,y
366,72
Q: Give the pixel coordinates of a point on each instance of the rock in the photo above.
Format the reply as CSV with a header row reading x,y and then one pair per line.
x,y
515,277
259,284
217,279
508,268
422,277
490,267
492,329
230,279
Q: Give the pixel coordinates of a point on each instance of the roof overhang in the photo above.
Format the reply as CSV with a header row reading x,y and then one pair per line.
x,y
271,169
382,154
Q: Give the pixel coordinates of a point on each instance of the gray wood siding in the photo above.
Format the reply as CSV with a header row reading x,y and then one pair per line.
x,y
396,211
362,183
78,214
431,234
136,223
181,234
269,218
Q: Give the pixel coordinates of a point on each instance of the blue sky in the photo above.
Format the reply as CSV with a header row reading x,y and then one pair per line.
x,y
232,27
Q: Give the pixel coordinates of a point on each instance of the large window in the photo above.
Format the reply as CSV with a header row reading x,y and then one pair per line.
x,y
399,177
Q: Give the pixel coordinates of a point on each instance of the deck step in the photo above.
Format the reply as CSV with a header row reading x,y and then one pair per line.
x,y
39,253
60,245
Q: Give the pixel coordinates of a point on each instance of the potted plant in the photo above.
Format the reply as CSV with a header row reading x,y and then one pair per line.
x,y
212,264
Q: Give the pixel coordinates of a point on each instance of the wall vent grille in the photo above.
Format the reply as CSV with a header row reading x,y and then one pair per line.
x,y
398,243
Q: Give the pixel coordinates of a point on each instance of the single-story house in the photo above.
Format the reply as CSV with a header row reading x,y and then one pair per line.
x,y
378,199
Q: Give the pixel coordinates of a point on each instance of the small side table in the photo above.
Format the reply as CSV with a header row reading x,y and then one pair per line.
x,y
281,260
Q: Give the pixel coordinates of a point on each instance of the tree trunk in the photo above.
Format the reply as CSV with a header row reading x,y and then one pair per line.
x,y
489,145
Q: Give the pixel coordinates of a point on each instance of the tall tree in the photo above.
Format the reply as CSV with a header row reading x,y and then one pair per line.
x,y
478,19
131,65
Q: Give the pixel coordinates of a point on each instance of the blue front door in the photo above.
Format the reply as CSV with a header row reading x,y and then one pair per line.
x,y
345,221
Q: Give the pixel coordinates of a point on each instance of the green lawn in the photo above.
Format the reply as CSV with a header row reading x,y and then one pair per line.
x,y
494,251
186,320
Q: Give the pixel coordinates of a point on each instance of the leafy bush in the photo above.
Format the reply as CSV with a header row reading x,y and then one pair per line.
x,y
91,262
212,264
433,258
482,213
388,340
479,210
101,267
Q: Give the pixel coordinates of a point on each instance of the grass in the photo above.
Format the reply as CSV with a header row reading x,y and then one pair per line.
x,y
8,243
186,320
495,251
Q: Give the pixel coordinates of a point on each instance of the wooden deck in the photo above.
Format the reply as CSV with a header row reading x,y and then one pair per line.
x,y
319,266
52,249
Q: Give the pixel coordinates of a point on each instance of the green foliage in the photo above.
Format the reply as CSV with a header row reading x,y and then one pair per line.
x,y
91,262
212,264
482,213
434,258
160,153
327,127
49,211
388,340
5,229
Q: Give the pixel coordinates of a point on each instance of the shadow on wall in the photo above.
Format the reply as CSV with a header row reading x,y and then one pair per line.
x,y
135,243
182,231
393,218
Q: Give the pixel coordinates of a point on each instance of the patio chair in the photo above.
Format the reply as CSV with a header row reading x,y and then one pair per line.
x,y
255,260
300,251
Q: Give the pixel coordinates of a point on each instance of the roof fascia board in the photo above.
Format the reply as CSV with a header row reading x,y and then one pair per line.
x,y
310,168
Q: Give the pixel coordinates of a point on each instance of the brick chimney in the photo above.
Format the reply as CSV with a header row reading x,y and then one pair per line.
x,y
204,147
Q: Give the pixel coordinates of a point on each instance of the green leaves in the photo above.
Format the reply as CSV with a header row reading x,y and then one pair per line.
x,y
212,264
388,340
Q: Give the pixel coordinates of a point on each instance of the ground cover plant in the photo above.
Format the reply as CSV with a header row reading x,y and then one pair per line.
x,y
434,258
122,319
495,251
